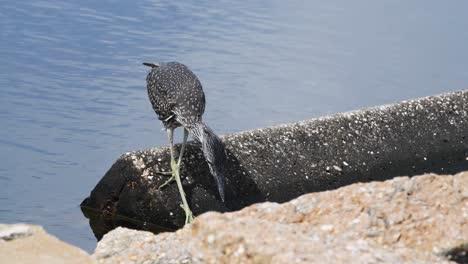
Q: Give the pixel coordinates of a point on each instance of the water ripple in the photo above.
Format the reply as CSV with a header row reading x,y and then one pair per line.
x,y
73,87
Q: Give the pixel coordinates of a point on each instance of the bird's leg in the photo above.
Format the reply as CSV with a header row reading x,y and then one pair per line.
x,y
175,166
182,149
170,135
181,154
171,179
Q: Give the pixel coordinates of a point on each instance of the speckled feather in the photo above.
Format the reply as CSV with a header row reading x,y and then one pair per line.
x,y
177,97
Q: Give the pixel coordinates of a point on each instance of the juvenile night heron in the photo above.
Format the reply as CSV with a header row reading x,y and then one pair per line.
x,y
177,97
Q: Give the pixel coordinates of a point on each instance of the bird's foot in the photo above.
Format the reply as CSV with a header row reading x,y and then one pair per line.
x,y
165,173
171,179
188,214
174,167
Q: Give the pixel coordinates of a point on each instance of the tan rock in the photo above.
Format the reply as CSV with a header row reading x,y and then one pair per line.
x,y
21,243
404,220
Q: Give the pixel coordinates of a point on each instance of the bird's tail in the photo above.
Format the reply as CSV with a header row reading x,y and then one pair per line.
x,y
214,152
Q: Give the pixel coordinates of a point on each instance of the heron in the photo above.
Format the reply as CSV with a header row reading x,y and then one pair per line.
x,y
177,97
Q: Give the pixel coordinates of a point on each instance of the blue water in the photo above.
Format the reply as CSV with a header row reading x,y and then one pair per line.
x,y
73,92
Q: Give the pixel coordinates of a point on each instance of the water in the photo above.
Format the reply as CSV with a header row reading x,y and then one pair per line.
x,y
73,92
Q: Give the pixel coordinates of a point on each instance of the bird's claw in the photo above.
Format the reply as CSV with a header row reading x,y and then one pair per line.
x,y
165,173
171,179
174,167
188,214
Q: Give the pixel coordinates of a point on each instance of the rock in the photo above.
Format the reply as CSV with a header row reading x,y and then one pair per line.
x,y
22,243
404,220
283,162
11,232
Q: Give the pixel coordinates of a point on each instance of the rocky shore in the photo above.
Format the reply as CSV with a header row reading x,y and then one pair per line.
x,y
324,190
23,243
422,219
